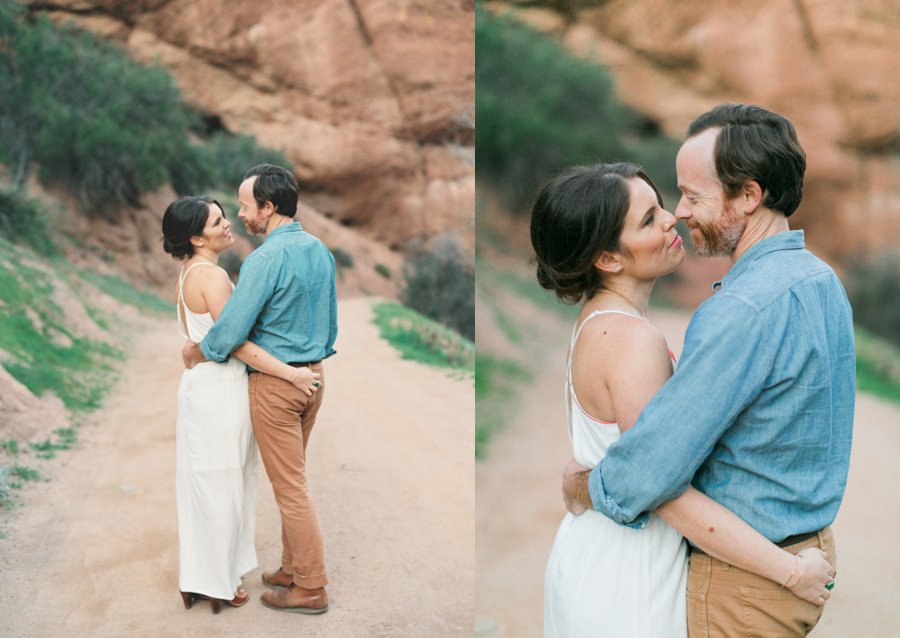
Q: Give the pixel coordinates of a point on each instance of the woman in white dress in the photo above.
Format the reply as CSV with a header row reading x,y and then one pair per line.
x,y
216,454
601,235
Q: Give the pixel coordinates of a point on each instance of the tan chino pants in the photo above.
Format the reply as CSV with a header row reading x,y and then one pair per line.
x,y
283,418
724,601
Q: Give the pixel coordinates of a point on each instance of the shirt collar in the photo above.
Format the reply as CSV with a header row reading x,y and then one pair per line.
x,y
290,227
788,240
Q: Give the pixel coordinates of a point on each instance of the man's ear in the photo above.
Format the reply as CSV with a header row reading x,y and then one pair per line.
x,y
610,262
750,197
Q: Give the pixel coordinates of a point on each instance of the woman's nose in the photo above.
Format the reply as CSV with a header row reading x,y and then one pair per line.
x,y
669,220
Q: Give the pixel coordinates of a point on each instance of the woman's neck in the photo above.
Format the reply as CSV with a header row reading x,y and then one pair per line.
x,y
625,294
205,254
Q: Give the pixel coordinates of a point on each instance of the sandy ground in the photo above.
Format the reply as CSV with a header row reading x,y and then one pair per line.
x,y
94,552
519,507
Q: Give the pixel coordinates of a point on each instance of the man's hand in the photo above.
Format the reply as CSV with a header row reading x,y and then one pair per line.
x,y
191,354
575,488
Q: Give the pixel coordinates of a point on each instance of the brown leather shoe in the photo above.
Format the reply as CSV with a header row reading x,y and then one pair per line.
x,y
297,599
277,579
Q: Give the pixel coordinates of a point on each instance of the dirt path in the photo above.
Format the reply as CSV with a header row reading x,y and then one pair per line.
x,y
95,553
519,507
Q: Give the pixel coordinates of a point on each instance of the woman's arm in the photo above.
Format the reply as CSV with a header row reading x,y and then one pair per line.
x,y
215,287
722,534
631,381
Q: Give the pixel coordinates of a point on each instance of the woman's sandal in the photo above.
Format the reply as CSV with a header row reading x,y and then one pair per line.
x,y
239,599
188,598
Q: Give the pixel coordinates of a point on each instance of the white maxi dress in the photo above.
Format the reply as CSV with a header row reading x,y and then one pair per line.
x,y
604,579
215,470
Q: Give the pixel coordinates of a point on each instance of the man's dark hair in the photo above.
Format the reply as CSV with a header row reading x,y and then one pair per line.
x,y
277,185
756,145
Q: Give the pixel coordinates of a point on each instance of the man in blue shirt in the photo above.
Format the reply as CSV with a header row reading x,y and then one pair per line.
x,y
286,302
759,412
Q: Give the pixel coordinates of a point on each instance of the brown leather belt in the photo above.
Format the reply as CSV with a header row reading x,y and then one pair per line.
x,y
787,542
303,364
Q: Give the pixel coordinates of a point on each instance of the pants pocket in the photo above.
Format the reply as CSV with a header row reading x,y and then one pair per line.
x,y
697,616
776,613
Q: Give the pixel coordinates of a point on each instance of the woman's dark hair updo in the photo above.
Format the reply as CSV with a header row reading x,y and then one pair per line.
x,y
578,215
183,219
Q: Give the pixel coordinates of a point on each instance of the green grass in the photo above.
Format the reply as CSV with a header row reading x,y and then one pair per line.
x,y
14,478
420,339
496,385
10,446
43,354
877,366
65,440
524,287
122,291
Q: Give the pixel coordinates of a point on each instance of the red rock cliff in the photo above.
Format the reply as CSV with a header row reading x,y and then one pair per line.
x,y
829,65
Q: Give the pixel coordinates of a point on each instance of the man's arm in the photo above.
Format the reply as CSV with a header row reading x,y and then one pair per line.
x,y
250,296
726,360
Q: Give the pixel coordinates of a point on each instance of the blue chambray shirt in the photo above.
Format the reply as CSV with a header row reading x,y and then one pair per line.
x,y
759,414
285,301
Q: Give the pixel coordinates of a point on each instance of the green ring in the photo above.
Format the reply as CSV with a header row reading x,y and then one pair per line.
x,y
829,585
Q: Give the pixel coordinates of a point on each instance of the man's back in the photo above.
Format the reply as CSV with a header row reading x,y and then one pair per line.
x,y
789,442
285,301
760,408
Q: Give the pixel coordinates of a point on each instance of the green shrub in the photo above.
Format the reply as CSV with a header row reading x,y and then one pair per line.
x,y
872,286
101,125
24,221
383,270
231,155
342,258
441,286
540,109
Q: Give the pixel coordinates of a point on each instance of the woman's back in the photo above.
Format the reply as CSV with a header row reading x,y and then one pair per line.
x,y
603,579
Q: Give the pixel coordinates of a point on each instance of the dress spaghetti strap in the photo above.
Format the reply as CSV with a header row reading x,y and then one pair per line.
x,y
576,332
181,308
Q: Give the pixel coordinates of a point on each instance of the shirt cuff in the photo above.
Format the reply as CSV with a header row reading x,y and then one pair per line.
x,y
210,354
605,504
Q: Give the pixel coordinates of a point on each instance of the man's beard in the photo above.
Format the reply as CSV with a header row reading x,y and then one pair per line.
x,y
257,227
721,238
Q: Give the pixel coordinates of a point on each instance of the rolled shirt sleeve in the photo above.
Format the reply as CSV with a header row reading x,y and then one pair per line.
x,y
253,291
724,366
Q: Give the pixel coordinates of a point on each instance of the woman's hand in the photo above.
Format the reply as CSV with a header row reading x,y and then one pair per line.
x,y
813,573
306,380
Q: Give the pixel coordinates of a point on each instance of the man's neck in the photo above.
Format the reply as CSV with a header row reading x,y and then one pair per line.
x,y
764,223
276,221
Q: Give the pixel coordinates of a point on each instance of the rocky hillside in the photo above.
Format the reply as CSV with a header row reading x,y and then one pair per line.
x,y
826,64
373,102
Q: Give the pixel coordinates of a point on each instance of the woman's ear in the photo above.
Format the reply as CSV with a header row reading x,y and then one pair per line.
x,y
609,262
198,241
